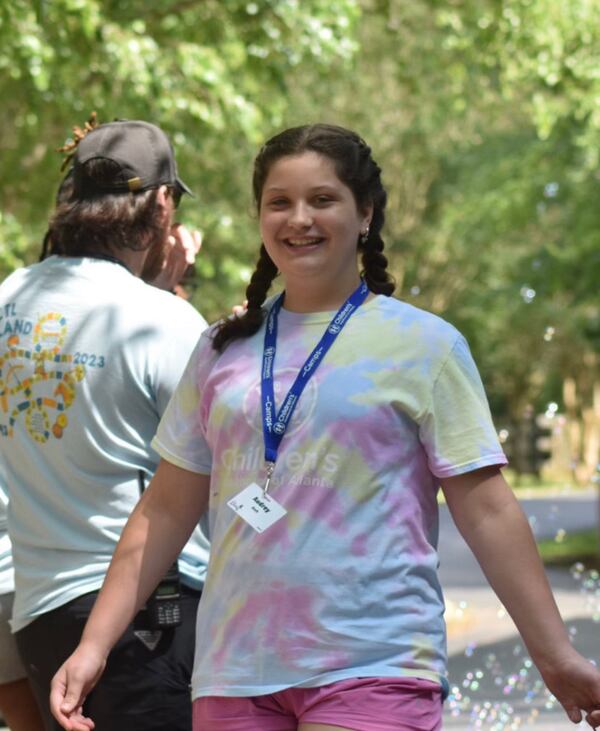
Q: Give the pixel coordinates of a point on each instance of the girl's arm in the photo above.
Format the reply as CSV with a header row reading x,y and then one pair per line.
x,y
155,533
491,521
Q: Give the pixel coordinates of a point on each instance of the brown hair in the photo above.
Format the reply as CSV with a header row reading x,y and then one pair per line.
x,y
356,168
110,221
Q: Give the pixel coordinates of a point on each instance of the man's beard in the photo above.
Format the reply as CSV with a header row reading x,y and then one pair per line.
x,y
156,255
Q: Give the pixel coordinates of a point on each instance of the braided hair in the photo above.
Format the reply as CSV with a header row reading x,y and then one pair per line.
x,y
355,168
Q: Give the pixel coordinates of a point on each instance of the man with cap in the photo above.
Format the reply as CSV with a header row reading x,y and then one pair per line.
x,y
89,357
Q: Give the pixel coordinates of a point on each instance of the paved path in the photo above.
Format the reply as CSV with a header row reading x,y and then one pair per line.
x,y
491,676
495,688
563,512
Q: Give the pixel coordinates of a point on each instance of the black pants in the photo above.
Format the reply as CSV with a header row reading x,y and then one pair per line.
x,y
146,683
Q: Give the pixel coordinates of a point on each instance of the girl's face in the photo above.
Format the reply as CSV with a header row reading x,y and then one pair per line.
x,y
309,221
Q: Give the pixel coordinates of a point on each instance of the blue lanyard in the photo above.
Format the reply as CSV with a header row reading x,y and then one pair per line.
x,y
275,424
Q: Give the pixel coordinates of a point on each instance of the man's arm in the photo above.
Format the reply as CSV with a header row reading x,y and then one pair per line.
x,y
155,533
491,521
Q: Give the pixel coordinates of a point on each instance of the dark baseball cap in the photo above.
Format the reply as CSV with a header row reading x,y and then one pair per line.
x,y
141,154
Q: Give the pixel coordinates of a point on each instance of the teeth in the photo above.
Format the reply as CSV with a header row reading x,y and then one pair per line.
x,y
302,242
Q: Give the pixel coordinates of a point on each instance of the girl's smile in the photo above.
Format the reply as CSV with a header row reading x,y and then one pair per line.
x,y
310,226
303,242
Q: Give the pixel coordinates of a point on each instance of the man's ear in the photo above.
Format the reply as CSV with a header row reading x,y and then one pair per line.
x,y
162,194
164,202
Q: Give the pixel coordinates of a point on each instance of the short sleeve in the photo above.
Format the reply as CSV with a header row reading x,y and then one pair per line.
x,y
3,504
7,583
456,430
180,438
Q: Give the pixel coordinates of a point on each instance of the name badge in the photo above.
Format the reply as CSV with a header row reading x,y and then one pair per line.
x,y
257,508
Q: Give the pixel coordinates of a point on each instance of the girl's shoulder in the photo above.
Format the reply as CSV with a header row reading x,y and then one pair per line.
x,y
206,351
407,320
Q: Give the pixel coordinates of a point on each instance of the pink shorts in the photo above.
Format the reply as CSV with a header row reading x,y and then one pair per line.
x,y
361,704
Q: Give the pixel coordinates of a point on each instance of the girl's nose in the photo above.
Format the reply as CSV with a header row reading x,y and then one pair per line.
x,y
300,216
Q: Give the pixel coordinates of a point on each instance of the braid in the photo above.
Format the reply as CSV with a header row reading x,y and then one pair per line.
x,y
256,293
374,272
374,261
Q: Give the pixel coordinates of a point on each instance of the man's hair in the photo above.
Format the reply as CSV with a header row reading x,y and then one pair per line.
x,y
63,195
111,221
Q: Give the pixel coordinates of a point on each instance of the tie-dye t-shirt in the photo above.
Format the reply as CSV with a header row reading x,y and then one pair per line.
x,y
345,584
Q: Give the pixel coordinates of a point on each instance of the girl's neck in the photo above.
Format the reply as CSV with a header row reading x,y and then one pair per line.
x,y
305,297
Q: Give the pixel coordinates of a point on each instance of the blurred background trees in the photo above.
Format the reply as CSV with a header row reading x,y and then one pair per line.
x,y
484,115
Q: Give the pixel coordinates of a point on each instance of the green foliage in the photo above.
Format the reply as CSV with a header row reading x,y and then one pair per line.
x,y
486,126
571,548
483,114
13,243
211,73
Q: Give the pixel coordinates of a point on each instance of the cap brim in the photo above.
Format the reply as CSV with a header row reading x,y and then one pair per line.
x,y
183,187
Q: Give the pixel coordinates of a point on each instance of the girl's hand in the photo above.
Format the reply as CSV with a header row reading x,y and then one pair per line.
x,y
71,685
576,684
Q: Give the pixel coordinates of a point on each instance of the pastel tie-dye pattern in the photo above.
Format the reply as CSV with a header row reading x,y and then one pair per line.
x,y
345,585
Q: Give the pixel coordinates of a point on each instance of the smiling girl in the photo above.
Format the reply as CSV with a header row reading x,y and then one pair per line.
x,y
322,610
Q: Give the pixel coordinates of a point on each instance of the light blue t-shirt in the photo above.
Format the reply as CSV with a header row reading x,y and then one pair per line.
x,y
89,358
345,584
7,583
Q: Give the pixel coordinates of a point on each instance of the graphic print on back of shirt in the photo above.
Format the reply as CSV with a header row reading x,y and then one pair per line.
x,y
38,381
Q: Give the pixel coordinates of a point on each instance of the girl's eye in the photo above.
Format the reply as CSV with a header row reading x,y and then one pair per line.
x,y
323,200
277,203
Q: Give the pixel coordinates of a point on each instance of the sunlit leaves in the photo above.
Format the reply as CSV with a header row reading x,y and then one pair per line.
x,y
213,74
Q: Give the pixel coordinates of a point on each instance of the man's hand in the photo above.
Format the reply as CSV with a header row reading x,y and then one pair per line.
x,y
178,254
240,310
